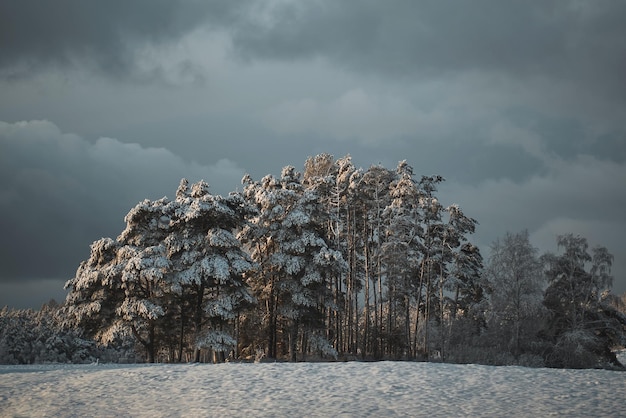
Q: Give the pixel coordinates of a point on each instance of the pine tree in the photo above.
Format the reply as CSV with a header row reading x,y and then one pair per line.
x,y
374,196
401,253
295,260
176,262
321,176
95,293
431,213
209,265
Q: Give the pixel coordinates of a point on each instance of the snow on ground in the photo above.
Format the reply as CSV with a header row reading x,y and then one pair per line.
x,y
307,389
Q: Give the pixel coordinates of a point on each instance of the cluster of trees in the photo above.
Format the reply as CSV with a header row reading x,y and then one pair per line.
x,y
332,261
554,310
585,321
28,336
339,262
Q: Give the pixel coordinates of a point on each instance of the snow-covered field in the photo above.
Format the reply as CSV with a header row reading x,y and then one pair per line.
x,y
379,389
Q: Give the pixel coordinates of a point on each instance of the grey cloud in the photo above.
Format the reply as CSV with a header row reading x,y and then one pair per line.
x,y
567,40
103,35
59,192
609,146
579,41
563,61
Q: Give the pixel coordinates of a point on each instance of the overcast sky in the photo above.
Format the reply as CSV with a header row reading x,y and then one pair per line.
x,y
520,105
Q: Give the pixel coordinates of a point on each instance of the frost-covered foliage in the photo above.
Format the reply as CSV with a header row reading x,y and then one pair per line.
x,y
319,344
295,260
28,336
217,340
174,270
96,292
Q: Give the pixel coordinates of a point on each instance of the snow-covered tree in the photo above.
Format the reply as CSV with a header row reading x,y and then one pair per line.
x,y
326,178
351,211
95,293
401,255
145,277
175,262
295,259
467,282
458,267
583,326
374,197
122,287
431,217
209,264
258,236
28,336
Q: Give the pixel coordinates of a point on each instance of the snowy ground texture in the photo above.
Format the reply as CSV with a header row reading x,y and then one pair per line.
x,y
307,389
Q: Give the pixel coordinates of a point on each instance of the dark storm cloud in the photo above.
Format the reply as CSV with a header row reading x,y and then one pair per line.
x,y
576,40
103,35
59,193
583,40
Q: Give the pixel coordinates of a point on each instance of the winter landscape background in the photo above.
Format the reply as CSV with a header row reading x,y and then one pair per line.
x,y
448,186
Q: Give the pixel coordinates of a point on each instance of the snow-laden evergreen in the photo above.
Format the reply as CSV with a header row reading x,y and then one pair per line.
x,y
401,253
28,337
296,262
173,278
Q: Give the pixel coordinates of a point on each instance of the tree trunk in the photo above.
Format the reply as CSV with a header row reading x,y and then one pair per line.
x,y
293,339
442,333
417,310
271,340
181,339
366,333
407,325
198,320
151,346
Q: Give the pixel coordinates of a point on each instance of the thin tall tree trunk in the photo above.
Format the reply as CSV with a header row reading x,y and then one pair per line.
x,y
272,331
198,320
407,325
417,310
181,339
442,334
427,316
366,336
